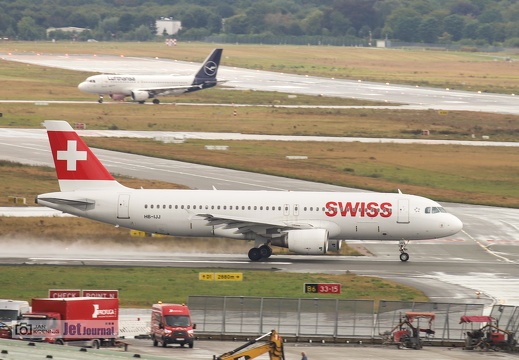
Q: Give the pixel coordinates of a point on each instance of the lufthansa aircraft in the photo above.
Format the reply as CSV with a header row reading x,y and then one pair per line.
x,y
304,222
142,87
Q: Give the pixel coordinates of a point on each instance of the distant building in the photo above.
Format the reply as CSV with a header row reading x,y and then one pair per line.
x,y
70,29
383,43
168,26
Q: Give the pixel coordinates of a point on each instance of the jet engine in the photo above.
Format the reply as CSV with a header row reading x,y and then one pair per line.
x,y
140,95
308,242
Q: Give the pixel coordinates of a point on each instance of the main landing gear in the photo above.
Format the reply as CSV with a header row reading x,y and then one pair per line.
x,y
100,99
404,256
258,253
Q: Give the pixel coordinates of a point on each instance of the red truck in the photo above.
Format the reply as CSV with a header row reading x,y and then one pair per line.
x,y
171,324
92,321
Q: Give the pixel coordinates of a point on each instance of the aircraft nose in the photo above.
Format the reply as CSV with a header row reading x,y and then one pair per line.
x,y
454,224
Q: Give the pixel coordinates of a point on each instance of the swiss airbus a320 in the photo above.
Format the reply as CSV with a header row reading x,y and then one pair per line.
x,y
310,223
143,87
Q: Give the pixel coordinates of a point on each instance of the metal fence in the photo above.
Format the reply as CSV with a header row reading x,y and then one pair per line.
x,y
295,317
333,318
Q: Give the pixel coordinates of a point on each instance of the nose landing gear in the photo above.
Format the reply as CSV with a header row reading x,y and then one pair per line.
x,y
404,256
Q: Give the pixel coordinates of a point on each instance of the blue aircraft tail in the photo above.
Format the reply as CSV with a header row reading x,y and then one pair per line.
x,y
206,75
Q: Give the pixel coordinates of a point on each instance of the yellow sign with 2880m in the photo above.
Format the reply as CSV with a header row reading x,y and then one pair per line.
x,y
205,276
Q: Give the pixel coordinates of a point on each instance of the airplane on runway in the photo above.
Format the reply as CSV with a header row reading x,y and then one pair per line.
x,y
308,223
142,87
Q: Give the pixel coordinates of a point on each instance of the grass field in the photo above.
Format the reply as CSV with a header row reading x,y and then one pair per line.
x,y
141,287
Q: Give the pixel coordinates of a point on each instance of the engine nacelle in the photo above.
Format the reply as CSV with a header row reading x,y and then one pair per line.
x,y
334,245
140,95
308,242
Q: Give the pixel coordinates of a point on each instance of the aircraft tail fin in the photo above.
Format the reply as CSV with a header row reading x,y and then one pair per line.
x,y
76,165
207,73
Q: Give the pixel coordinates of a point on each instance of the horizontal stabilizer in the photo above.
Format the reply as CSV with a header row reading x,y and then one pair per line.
x,y
82,204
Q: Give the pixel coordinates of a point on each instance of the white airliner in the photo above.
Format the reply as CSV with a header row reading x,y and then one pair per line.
x,y
304,222
142,87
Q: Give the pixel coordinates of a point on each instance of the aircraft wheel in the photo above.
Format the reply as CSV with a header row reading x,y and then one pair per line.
x,y
100,101
404,256
141,102
156,101
255,254
265,251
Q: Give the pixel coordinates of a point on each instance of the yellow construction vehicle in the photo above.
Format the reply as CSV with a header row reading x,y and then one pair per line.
x,y
274,347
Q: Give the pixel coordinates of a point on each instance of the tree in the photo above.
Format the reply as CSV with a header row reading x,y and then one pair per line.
x,y
109,27
195,16
29,30
490,16
405,24
312,24
454,25
142,33
359,12
470,30
337,23
429,30
126,22
6,22
486,32
236,24
256,16
465,7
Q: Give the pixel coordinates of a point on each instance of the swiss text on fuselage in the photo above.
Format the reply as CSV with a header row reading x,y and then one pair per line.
x,y
360,209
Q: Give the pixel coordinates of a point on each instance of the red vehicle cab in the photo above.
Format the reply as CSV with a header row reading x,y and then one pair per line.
x,y
171,324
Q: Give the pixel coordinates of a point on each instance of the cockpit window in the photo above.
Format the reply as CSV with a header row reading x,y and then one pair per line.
x,y
434,210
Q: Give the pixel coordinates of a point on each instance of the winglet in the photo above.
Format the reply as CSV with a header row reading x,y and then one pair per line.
x,y
76,165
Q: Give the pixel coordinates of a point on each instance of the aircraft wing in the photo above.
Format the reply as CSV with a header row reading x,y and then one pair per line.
x,y
173,89
169,89
244,225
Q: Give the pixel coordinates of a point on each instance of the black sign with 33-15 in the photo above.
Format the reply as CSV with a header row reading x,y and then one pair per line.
x,y
311,288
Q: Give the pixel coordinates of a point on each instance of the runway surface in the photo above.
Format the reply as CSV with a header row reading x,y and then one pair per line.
x,y
483,257
246,79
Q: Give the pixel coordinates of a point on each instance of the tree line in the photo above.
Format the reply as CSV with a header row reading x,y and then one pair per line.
x,y
466,22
